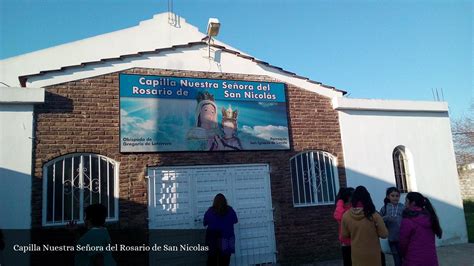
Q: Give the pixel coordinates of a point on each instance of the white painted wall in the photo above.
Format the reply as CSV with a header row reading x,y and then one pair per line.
x,y
15,176
15,165
16,132
370,131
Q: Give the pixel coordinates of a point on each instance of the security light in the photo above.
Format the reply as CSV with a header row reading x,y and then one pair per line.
x,y
213,27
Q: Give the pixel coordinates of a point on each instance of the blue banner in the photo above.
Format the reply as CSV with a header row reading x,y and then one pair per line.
x,y
164,114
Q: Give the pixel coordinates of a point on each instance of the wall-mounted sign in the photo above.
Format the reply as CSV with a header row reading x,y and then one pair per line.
x,y
164,114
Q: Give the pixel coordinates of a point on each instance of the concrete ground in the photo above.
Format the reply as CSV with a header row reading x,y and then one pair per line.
x,y
453,255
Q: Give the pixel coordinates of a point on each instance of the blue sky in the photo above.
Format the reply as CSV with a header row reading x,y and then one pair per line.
x,y
371,49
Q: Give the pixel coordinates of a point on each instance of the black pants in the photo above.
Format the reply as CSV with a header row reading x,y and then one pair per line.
x,y
218,259
346,255
395,252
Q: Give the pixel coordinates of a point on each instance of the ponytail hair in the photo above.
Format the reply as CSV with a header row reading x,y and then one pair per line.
x,y
425,203
363,196
434,219
388,192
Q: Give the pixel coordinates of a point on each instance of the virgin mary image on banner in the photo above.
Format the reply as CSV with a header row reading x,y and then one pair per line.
x,y
203,135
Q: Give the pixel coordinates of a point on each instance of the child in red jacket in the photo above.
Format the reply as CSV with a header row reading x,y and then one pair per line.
x,y
343,204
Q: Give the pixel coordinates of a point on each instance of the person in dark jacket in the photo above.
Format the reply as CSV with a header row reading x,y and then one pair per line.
x,y
419,226
97,236
220,238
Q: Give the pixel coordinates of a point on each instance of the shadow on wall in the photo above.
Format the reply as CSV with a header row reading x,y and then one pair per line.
x,y
36,246
451,217
15,194
15,214
57,244
57,103
312,222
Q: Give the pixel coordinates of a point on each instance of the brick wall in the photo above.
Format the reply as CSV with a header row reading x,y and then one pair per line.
x,y
466,181
83,116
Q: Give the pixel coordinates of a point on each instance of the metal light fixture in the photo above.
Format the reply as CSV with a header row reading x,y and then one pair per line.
x,y
213,27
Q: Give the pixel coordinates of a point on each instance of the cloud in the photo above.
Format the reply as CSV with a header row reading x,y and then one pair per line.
x,y
144,105
266,132
137,126
149,125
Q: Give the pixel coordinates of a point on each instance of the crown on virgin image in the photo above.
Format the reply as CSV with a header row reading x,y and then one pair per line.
x,y
202,96
229,114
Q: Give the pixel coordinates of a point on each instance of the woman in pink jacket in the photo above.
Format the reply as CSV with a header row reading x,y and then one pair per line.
x,y
419,226
343,204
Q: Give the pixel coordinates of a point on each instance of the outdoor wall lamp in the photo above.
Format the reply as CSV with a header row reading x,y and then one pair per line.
x,y
213,27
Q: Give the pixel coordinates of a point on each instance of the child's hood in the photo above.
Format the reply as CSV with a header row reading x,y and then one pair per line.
x,y
357,213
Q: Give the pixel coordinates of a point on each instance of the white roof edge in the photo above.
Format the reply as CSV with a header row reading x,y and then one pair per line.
x,y
343,103
20,95
302,82
114,65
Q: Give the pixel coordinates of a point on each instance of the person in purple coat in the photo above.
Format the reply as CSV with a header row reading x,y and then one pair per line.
x,y
220,238
418,228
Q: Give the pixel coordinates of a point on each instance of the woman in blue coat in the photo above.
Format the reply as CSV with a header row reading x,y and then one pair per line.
x,y
220,238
